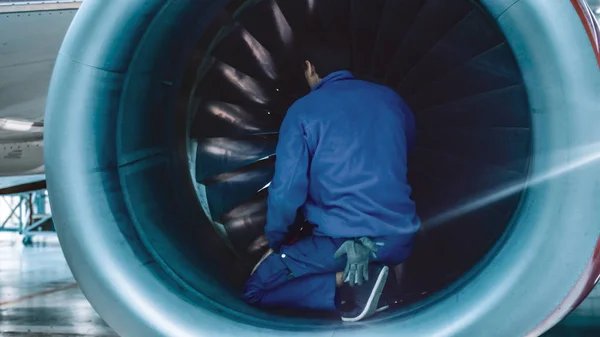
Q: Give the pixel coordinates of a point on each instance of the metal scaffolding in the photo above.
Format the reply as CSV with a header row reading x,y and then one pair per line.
x,y
28,214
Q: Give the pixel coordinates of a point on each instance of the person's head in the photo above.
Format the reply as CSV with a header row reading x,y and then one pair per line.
x,y
323,58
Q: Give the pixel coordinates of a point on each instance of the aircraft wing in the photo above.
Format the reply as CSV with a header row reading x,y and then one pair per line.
x,y
21,184
27,57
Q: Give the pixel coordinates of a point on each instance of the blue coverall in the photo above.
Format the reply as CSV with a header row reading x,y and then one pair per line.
x,y
341,157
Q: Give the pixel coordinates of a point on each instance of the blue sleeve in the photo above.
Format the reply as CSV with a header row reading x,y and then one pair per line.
x,y
409,125
289,188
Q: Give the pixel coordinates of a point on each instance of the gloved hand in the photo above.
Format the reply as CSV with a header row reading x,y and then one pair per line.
x,y
358,254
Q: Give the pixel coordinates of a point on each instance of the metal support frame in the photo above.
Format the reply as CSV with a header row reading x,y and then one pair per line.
x,y
27,215
3,226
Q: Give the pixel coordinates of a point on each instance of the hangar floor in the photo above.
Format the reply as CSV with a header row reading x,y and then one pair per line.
x,y
39,297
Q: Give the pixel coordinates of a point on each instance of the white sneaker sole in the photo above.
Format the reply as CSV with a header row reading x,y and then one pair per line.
x,y
384,308
371,307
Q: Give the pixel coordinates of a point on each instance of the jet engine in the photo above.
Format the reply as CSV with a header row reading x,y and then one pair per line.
x,y
161,128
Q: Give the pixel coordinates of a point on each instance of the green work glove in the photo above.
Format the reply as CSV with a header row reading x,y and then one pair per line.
x,y
358,255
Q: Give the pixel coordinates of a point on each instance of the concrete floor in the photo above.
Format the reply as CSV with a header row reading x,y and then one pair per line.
x,y
39,297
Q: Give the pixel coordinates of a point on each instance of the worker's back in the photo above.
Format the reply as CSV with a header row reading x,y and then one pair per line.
x,y
358,134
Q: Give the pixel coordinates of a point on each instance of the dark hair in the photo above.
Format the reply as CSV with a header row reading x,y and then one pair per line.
x,y
328,55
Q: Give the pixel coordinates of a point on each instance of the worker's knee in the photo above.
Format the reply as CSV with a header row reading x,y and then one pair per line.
x,y
271,273
253,293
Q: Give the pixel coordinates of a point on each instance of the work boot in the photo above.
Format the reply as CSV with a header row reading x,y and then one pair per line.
x,y
366,296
